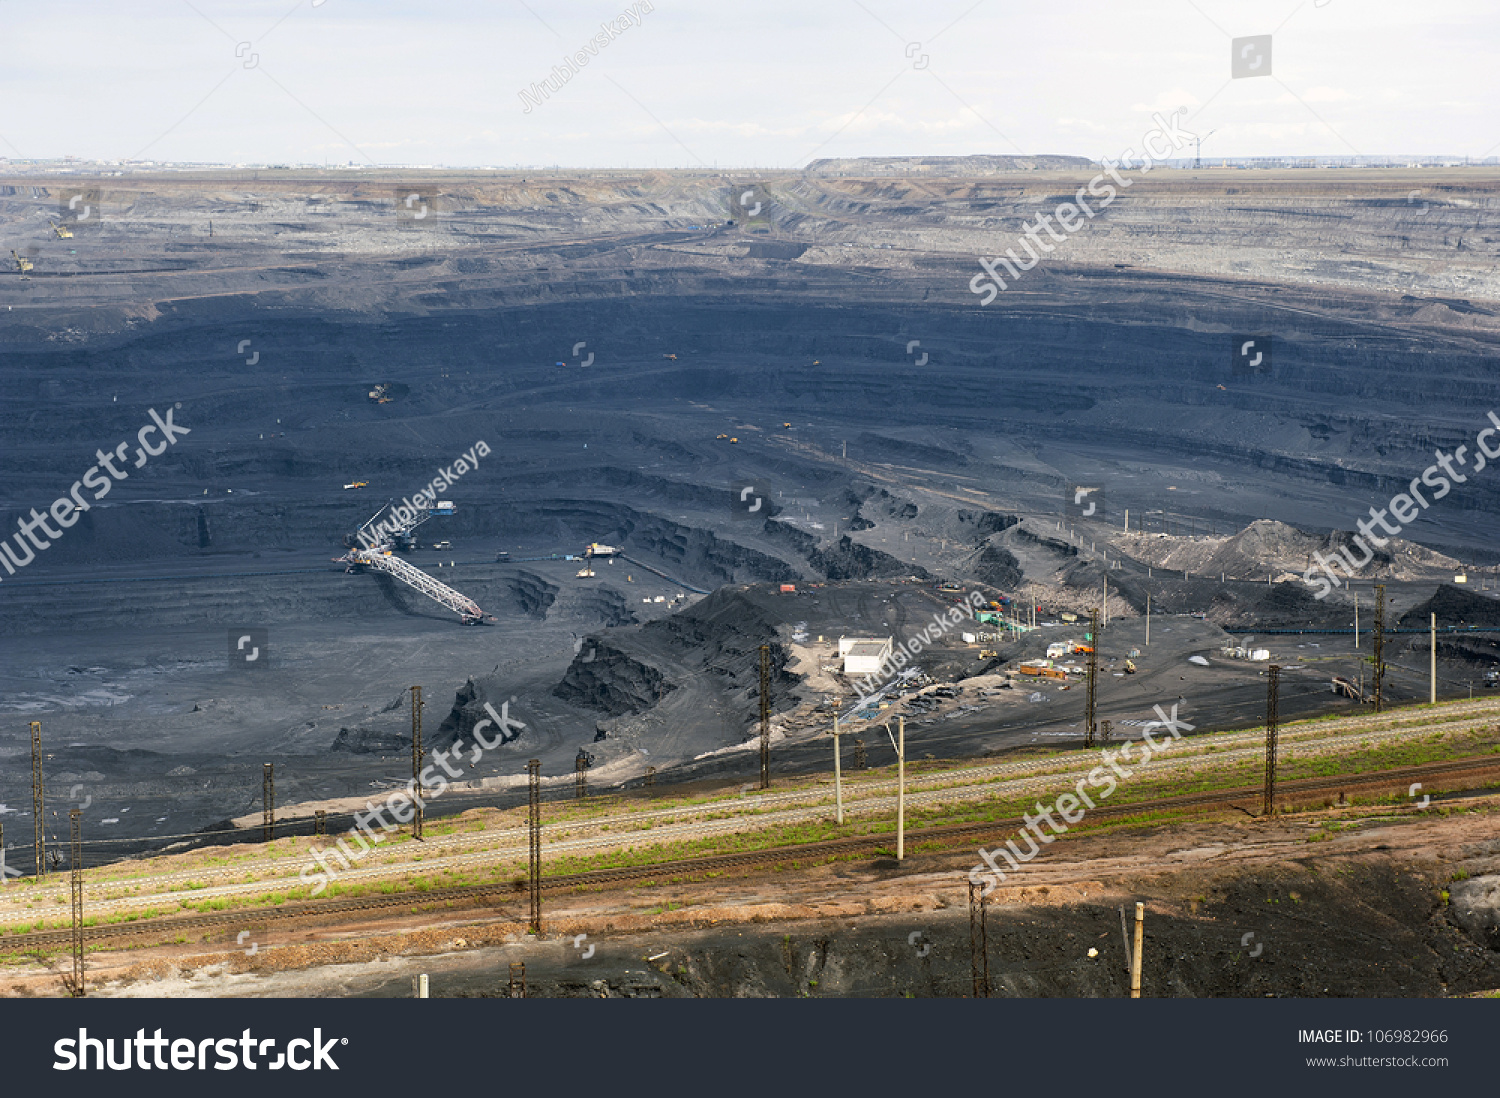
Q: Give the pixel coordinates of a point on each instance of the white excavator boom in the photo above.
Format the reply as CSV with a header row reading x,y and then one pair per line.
x,y
393,565
382,559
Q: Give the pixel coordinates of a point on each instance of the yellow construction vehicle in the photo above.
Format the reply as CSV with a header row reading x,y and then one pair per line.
x,y
22,263
721,436
672,357
62,231
734,440
357,484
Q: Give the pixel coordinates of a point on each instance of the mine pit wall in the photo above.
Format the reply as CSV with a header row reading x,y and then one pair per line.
x,y
196,602
160,605
1157,364
608,681
1202,930
531,594
715,644
1035,952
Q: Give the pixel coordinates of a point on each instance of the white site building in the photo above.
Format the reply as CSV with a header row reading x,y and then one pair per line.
x,y
865,655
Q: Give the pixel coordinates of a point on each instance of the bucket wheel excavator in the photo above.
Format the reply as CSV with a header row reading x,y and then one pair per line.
x,y
374,548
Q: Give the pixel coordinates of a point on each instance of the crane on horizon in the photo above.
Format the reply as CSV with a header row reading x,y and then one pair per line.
x,y
1198,156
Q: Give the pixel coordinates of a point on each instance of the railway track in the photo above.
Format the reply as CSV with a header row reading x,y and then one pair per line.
x,y
791,806
1474,769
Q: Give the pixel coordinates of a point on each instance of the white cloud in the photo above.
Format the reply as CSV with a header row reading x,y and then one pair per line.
x,y
1327,95
739,86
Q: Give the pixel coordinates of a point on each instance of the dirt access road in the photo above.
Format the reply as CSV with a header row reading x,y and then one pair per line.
x,y
1356,901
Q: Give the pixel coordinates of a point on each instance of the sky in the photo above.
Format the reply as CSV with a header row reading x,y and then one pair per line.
x,y
742,84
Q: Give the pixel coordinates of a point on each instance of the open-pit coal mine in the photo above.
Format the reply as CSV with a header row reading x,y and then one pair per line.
x,y
642,464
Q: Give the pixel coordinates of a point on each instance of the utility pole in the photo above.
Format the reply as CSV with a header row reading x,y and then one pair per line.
x,y
838,781
1432,692
765,716
1135,964
901,787
268,802
900,746
320,822
1273,720
1379,646
36,797
580,779
979,953
76,857
534,828
859,754
416,761
1356,619
1148,620
1093,686
1106,731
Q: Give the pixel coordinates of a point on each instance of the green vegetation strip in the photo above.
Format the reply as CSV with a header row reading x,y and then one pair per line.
x,y
768,848
922,776
1210,775
1189,775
